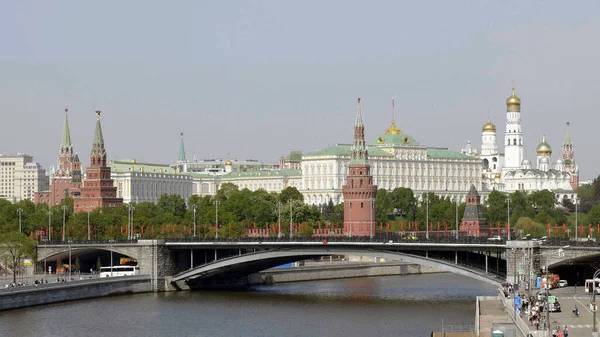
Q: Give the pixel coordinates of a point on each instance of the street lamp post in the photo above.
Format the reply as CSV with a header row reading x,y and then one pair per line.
x,y
70,266
291,225
88,224
371,218
427,218
49,225
456,224
508,216
576,220
64,231
20,211
130,225
594,309
217,202
279,219
111,260
194,208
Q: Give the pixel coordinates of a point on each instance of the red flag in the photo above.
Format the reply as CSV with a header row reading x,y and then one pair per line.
x,y
445,226
431,226
564,228
402,226
580,229
387,227
590,230
527,227
380,226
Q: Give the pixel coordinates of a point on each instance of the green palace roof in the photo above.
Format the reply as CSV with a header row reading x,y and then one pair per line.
x,y
344,150
131,165
261,173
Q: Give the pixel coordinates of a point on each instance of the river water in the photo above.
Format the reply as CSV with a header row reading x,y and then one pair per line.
x,y
411,305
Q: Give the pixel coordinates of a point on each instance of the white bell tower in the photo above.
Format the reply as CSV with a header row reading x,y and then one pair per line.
x,y
513,137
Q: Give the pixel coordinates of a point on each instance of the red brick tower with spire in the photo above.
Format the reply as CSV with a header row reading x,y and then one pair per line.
x,y
97,189
359,191
66,180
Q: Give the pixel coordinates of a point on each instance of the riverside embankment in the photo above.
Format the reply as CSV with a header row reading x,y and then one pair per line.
x,y
20,297
337,270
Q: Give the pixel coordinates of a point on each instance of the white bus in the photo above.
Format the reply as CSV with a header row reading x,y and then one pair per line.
x,y
590,285
119,271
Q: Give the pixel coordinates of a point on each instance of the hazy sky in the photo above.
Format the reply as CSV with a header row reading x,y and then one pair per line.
x,y
261,78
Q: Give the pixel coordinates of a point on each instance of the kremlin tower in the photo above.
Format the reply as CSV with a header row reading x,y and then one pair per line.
x,y
359,191
97,189
66,180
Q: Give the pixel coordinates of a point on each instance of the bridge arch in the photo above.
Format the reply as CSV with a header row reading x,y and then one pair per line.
x,y
55,252
244,265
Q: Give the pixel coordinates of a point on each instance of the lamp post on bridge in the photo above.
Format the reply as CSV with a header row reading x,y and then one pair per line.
x,y
130,226
20,211
49,235
508,216
456,224
64,229
194,209
593,304
88,224
291,225
427,217
217,202
576,222
279,220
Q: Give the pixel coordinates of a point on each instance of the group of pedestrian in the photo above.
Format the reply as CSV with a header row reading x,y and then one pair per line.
x,y
560,331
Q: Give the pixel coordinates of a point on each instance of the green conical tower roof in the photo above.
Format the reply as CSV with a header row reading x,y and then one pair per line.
x,y
66,137
181,157
98,146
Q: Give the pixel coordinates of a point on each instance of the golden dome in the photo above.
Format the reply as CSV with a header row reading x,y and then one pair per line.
x,y
544,148
228,163
489,126
393,130
513,99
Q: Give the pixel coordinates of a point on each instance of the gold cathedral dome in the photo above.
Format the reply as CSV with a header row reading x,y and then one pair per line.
x,y
489,126
228,162
513,99
393,130
544,148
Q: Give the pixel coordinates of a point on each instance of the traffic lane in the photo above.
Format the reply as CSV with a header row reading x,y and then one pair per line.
x,y
578,326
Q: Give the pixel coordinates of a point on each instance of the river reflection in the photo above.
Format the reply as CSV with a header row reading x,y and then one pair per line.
x,y
380,306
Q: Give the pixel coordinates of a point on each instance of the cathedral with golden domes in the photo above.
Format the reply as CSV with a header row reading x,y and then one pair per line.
x,y
511,171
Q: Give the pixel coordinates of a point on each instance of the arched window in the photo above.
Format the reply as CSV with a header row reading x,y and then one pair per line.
x,y
515,141
362,205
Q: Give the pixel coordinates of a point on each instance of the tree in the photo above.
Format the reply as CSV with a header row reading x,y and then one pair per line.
x,y
496,207
98,265
593,217
17,247
226,190
328,210
290,193
337,216
173,204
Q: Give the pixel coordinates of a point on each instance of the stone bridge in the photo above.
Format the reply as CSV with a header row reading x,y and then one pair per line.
x,y
509,261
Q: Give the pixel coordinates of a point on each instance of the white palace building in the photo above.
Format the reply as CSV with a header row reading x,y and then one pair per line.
x,y
397,160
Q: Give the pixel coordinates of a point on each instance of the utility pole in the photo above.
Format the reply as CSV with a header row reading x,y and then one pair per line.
x,y
291,225
64,231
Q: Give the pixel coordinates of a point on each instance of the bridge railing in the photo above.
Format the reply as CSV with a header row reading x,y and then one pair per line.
x,y
583,242
84,242
379,237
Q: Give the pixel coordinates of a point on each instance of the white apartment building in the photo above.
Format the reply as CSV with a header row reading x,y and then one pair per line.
x,y
143,182
21,177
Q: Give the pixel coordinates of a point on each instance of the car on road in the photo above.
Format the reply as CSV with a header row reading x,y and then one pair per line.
x,y
495,238
554,307
410,238
563,283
